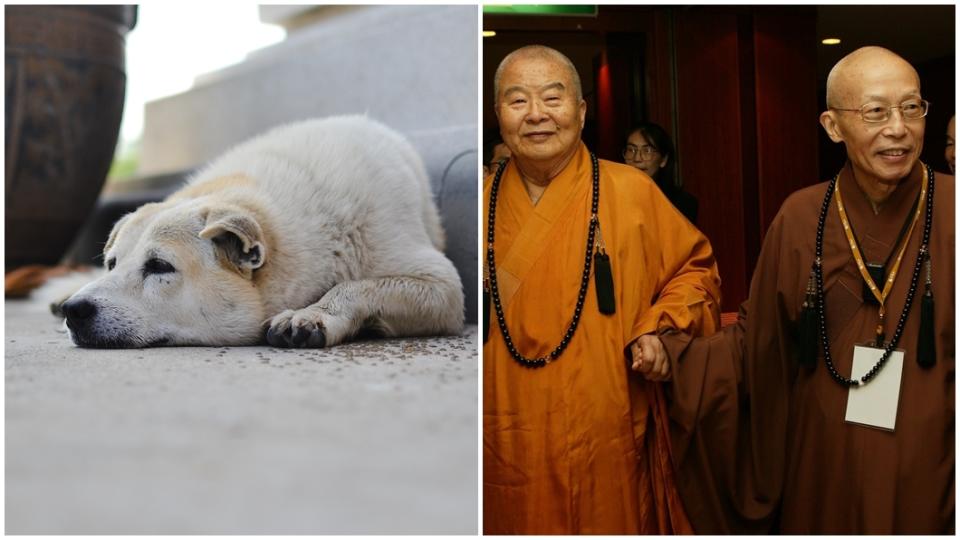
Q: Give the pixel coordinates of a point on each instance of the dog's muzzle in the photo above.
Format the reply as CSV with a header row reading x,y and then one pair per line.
x,y
87,331
79,314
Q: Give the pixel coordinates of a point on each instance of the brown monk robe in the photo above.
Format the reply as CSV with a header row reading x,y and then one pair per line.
x,y
581,445
761,443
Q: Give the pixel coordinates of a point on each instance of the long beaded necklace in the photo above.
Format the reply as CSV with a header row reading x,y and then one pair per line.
x,y
922,256
584,281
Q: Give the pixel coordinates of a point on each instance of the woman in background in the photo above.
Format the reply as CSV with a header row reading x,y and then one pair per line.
x,y
650,149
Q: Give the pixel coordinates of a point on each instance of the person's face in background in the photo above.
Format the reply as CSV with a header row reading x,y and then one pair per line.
x,y
950,153
641,154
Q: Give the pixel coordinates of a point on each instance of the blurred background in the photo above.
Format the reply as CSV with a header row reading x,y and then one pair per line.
x,y
739,89
160,64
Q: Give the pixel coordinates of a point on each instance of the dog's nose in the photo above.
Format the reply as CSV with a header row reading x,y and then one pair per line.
x,y
78,311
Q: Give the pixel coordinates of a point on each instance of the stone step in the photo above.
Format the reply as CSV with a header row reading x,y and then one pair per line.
x,y
410,67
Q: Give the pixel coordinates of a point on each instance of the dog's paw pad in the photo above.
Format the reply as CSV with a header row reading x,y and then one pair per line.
x,y
278,336
309,335
287,334
299,336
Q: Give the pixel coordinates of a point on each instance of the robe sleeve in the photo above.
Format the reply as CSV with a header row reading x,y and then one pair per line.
x,y
686,275
729,404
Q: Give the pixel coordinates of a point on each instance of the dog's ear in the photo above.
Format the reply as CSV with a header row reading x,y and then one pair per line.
x,y
238,238
113,232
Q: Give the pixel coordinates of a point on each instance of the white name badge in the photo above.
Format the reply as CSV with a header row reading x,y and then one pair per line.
x,y
875,404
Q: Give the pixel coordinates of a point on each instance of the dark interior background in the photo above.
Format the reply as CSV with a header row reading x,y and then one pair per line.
x,y
739,88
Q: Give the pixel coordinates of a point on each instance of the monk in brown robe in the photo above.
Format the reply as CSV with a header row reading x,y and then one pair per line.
x,y
574,441
769,437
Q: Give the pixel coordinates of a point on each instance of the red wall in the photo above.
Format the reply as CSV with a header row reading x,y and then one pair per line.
x,y
747,108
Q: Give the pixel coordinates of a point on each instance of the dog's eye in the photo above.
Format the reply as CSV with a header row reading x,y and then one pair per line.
x,y
157,266
111,263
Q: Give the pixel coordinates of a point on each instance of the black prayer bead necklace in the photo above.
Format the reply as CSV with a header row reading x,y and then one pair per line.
x,y
818,273
584,281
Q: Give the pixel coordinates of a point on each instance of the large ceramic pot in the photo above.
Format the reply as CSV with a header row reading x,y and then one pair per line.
x,y
64,101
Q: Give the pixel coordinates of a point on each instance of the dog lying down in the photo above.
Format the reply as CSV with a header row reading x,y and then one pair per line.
x,y
304,237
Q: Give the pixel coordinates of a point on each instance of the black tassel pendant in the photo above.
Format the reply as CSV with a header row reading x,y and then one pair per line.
x,y
926,344
604,283
486,314
808,325
926,347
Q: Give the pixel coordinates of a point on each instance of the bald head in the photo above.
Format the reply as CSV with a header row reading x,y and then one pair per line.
x,y
845,79
884,146
537,52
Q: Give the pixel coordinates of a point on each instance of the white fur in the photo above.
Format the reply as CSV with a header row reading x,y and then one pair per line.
x,y
333,229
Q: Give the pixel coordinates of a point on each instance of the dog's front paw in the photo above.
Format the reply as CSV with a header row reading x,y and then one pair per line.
x,y
297,329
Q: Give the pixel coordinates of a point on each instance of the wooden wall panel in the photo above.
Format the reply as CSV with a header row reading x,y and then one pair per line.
x,y
658,75
711,134
787,113
747,109
625,59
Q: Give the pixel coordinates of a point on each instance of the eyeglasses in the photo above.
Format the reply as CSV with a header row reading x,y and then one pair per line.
x,y
874,113
641,153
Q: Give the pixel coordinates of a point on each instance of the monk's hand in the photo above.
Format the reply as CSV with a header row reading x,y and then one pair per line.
x,y
650,358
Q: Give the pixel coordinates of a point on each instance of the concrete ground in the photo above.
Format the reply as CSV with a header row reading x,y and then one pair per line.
x,y
371,437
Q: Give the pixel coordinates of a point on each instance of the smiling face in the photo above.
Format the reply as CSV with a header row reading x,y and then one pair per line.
x,y
166,285
881,153
540,114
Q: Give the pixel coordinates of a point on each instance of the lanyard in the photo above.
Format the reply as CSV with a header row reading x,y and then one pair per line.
x,y
881,296
903,230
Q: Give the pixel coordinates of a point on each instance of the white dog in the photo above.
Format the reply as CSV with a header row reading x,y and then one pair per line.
x,y
305,236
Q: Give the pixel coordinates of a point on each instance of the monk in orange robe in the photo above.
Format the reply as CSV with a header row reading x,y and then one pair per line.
x,y
574,441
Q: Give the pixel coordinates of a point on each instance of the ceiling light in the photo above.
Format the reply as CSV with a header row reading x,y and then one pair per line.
x,y
831,41
489,33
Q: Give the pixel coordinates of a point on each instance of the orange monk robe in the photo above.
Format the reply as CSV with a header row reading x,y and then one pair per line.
x,y
581,445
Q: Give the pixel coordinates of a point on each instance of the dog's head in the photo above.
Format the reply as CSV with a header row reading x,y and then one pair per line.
x,y
178,274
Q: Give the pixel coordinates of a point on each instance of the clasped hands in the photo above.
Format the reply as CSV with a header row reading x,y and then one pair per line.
x,y
650,358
